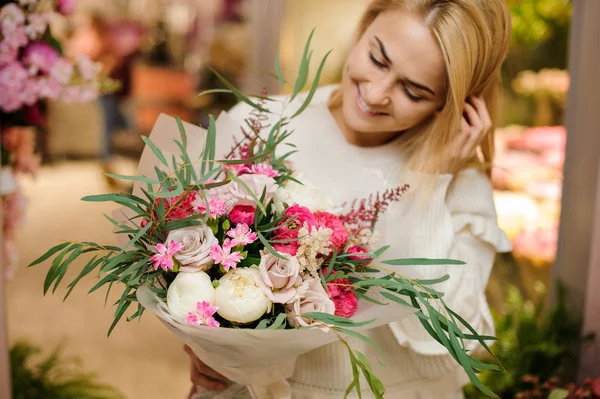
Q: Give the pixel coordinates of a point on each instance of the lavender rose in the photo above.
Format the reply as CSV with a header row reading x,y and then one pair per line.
x,y
197,242
281,277
315,299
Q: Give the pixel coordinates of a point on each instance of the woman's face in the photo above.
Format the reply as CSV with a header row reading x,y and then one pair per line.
x,y
394,78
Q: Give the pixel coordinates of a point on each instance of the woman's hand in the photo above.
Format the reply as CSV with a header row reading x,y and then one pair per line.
x,y
476,123
203,376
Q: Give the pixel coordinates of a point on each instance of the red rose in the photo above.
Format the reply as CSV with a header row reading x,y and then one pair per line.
x,y
342,294
243,214
298,215
359,250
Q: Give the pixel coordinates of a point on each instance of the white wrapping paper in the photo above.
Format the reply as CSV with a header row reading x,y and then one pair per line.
x,y
258,361
262,360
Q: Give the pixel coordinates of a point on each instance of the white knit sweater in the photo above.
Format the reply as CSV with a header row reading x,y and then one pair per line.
x,y
454,218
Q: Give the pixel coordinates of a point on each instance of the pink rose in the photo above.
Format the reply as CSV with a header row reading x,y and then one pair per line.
x,y
296,217
281,277
315,299
356,249
339,235
257,184
242,214
66,7
40,56
342,294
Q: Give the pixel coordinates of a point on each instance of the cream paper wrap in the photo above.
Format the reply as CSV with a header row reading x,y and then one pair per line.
x,y
261,360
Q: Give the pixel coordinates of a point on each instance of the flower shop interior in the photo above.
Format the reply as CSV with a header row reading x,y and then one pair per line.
x,y
158,56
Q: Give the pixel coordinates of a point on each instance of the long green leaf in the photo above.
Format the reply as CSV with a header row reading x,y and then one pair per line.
x,y
422,262
269,247
313,89
156,151
141,179
238,94
279,322
304,67
49,253
278,70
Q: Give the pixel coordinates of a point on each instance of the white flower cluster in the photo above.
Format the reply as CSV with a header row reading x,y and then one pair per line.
x,y
314,247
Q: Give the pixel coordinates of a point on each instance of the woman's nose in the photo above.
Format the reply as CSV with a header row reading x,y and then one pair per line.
x,y
376,94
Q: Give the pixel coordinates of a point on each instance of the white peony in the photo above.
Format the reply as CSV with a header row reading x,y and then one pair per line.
x,y
280,198
307,195
241,297
187,290
197,242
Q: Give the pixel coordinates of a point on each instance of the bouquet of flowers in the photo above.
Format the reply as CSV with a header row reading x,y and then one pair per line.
x,y
222,253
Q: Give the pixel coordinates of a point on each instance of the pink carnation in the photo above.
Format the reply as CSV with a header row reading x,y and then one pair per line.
x,y
342,294
339,235
359,250
242,214
40,56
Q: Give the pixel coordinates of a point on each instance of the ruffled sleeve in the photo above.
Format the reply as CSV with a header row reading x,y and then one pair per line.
x,y
463,227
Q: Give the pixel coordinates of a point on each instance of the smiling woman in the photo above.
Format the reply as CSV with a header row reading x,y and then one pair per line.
x,y
423,68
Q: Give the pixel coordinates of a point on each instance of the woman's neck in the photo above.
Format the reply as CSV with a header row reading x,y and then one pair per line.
x,y
360,139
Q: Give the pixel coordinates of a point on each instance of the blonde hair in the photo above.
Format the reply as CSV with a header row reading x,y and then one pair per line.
x,y
474,37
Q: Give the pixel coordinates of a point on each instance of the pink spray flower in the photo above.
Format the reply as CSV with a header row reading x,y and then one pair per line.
x,y
164,256
204,315
224,256
37,24
13,78
263,169
40,56
242,235
216,207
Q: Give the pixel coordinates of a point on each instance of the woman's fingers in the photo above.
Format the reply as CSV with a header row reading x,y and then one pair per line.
x,y
204,381
483,112
204,369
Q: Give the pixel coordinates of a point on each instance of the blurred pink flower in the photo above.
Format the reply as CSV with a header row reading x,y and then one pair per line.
x,y
8,53
65,7
62,71
86,67
49,88
11,19
31,92
12,82
204,315
37,24
40,56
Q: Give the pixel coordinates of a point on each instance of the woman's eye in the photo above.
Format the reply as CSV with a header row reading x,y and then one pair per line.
x,y
412,97
377,63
